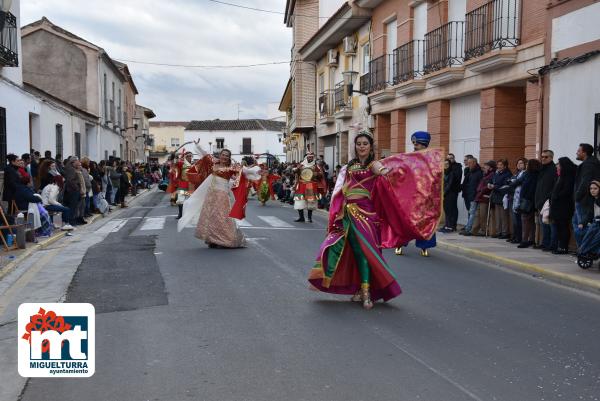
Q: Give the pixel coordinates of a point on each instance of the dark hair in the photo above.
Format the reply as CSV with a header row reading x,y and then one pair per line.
x,y
524,160
567,166
371,153
25,156
47,154
11,157
533,165
503,161
587,149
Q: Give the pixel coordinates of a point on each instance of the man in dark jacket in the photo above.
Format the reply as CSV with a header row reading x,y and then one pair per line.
x,y
543,191
451,193
466,173
482,200
12,180
72,194
499,187
587,171
469,191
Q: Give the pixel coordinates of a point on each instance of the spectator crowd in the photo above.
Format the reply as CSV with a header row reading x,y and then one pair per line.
x,y
538,203
75,188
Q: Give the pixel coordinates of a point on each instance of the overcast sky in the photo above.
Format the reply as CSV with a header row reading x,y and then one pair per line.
x,y
191,32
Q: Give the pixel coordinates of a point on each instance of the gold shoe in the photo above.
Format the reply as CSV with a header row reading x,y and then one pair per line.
x,y
399,251
424,253
357,297
366,297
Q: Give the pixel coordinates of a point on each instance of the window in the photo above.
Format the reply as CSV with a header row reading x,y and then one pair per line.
x,y
366,57
246,146
175,142
59,140
77,136
220,143
105,98
322,82
106,155
3,149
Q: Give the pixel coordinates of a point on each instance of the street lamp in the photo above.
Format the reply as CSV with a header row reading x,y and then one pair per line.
x,y
349,79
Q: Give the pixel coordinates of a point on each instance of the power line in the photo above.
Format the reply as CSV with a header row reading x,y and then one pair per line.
x,y
203,66
278,12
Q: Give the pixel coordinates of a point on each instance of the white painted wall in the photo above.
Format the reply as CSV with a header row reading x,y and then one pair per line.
x,y
465,131
15,74
576,28
18,105
574,100
262,141
327,8
416,120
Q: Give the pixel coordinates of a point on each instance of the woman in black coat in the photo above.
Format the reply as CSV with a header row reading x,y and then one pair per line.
x,y
562,203
526,206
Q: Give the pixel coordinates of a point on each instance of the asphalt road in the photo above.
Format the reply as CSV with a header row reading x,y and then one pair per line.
x,y
178,321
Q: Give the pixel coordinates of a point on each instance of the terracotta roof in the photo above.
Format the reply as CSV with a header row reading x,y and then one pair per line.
x,y
236,125
169,123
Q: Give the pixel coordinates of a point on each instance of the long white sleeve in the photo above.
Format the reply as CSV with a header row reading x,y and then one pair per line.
x,y
251,173
199,150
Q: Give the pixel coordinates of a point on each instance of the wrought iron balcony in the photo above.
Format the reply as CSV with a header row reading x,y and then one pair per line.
x,y
408,61
326,103
444,47
9,56
365,83
339,96
495,25
381,72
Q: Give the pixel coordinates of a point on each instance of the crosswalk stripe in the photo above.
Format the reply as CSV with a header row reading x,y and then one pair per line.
x,y
243,223
112,226
275,222
153,223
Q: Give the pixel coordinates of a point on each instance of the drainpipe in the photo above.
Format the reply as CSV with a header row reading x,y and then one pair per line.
x,y
540,118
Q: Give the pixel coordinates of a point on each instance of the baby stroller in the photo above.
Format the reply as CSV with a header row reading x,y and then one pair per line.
x,y
589,250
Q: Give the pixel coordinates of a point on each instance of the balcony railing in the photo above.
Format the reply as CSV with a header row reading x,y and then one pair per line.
x,y
9,56
495,25
381,72
408,61
444,46
342,101
326,103
365,83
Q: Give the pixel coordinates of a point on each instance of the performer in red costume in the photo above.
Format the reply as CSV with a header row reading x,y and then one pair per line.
x,y
210,207
184,186
309,178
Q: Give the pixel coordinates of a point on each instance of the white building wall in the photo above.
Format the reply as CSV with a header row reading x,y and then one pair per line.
x,y
327,8
575,90
18,105
262,142
574,100
416,120
575,28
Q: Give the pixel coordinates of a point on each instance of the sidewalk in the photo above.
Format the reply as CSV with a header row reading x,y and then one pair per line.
x,y
562,269
10,260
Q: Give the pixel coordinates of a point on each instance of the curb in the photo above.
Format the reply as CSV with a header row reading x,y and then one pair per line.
x,y
12,265
557,277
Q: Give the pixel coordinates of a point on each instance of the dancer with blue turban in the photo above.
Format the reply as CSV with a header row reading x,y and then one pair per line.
x,y
420,141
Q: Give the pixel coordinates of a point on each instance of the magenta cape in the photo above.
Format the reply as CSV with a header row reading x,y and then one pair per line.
x,y
401,206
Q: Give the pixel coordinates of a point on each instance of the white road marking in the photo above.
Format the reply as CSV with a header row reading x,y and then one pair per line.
x,y
275,222
112,226
243,223
153,223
